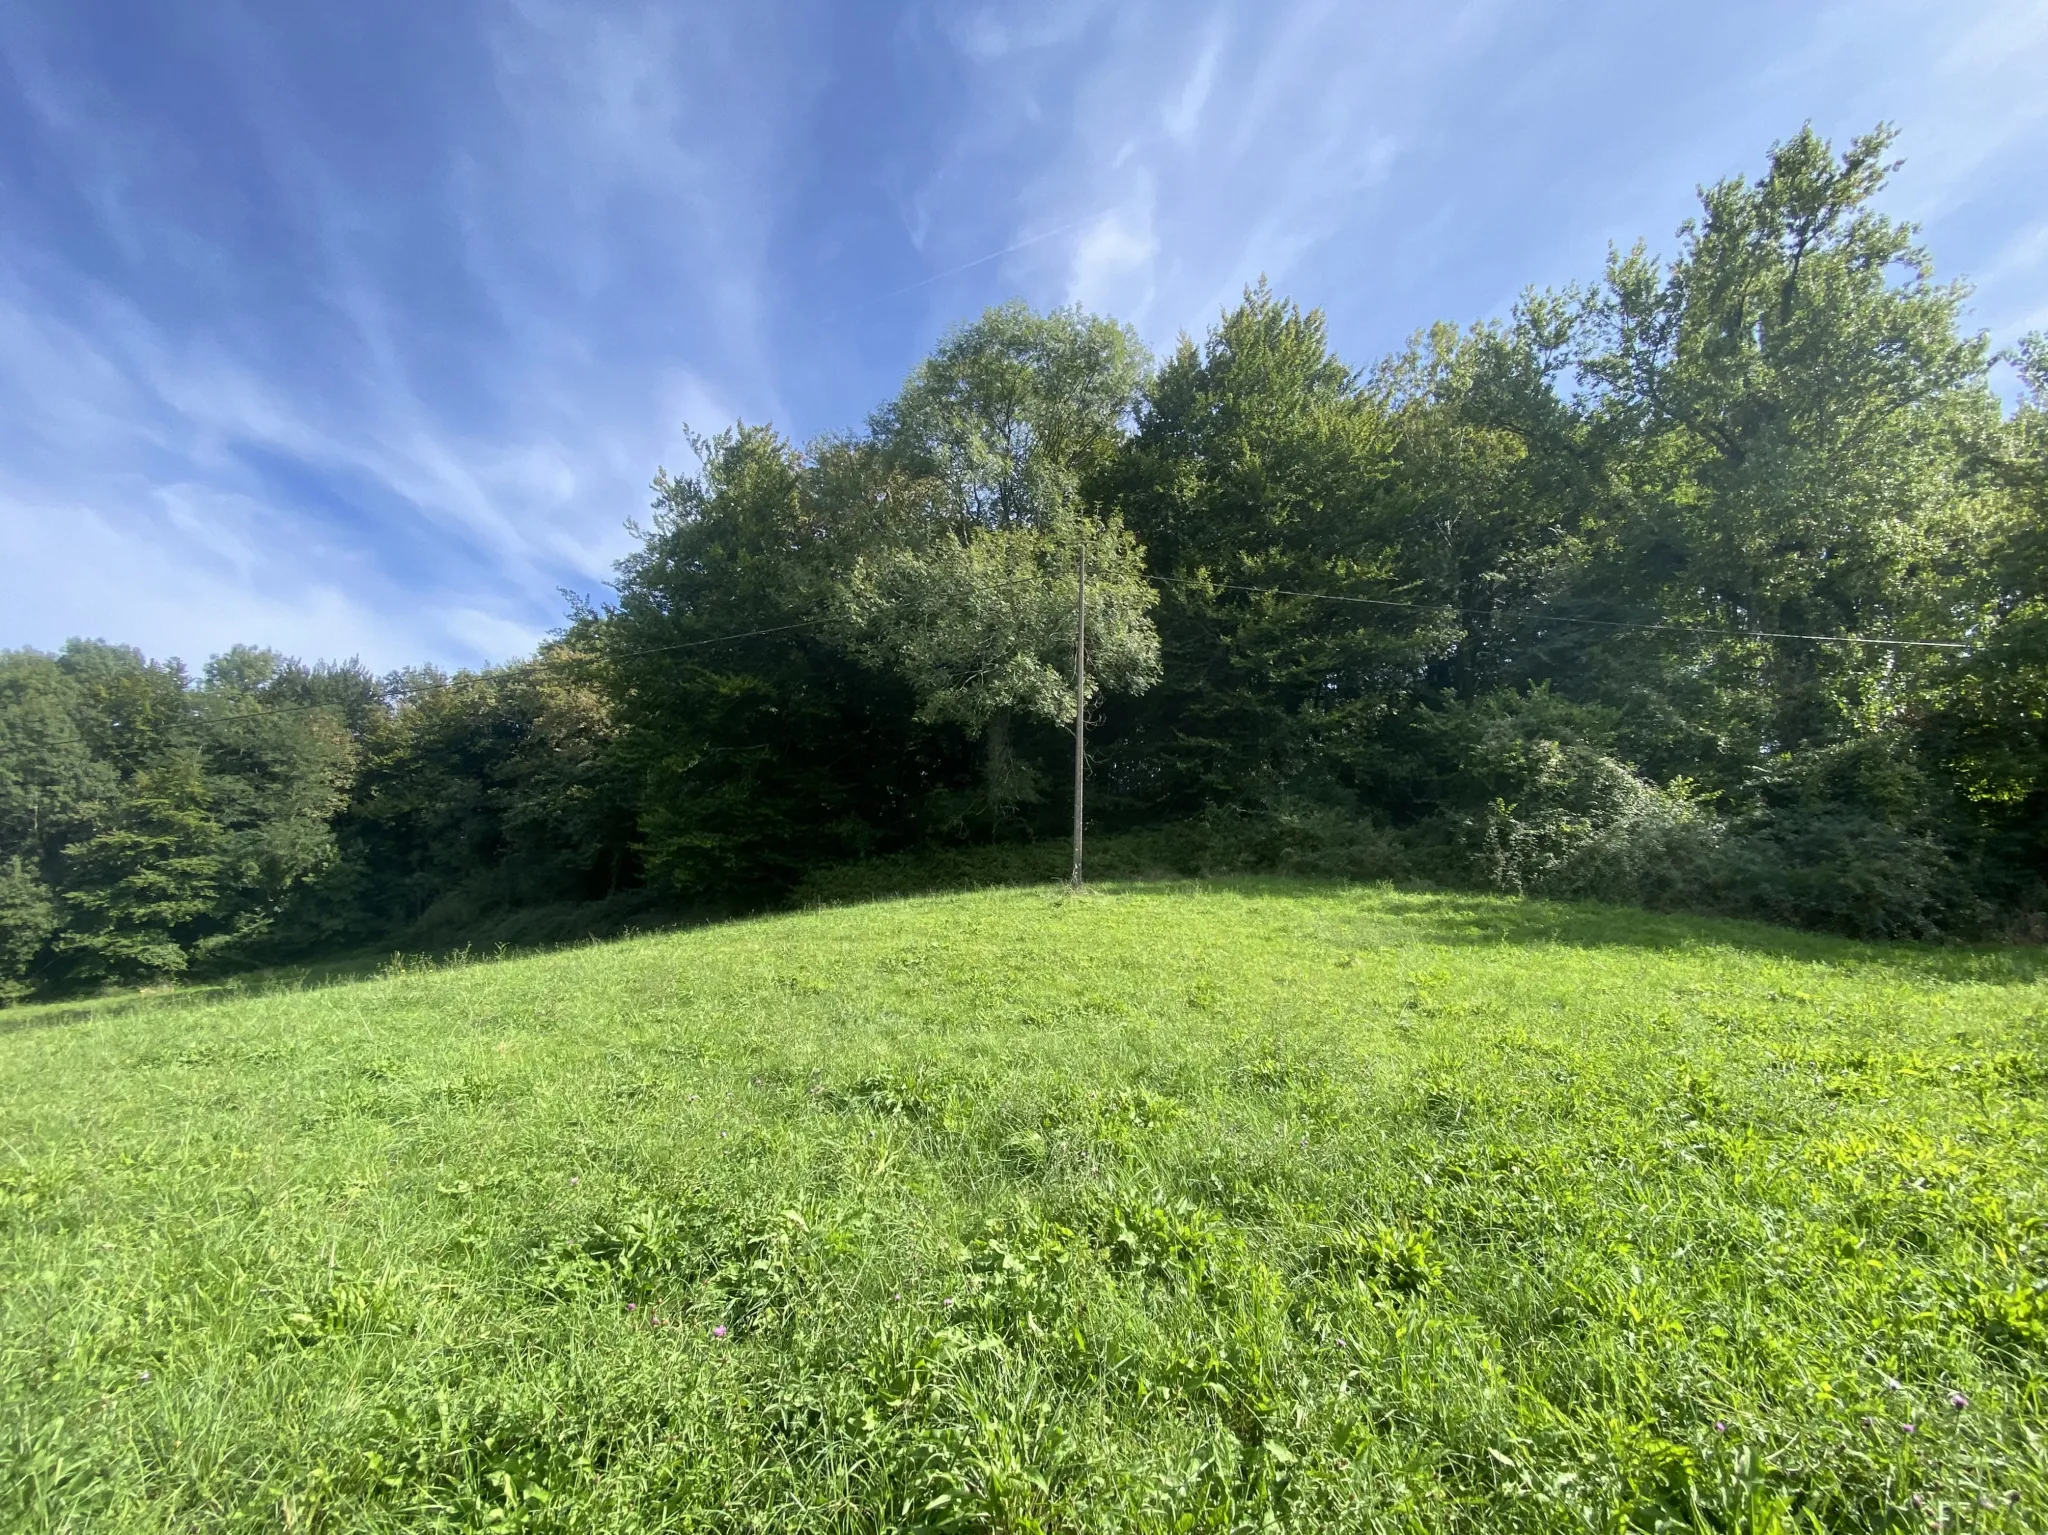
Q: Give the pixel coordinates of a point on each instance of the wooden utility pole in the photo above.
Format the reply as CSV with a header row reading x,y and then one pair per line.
x,y
1080,697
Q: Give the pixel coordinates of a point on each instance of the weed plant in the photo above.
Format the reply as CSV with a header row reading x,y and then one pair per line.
x,y
1247,1205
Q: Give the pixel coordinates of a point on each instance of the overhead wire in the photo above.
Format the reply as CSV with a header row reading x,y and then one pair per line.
x,y
538,660
1197,585
1605,623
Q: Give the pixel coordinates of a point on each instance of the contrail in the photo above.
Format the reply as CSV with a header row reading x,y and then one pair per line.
x,y
926,282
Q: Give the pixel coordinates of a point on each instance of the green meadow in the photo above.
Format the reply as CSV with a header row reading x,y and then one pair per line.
x,y
1236,1206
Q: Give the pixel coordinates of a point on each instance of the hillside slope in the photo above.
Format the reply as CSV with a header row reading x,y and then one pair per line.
x,y
1165,1207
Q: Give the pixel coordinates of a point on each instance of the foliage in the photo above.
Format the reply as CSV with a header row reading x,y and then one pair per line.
x,y
142,884
28,919
1789,412
1990,725
475,792
754,741
997,435
1256,464
983,630
1008,419
1251,1205
151,823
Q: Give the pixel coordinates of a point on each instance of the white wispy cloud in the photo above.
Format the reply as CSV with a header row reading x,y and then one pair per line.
x,y
1183,115
370,353
1366,157
606,211
194,593
1224,145
1113,261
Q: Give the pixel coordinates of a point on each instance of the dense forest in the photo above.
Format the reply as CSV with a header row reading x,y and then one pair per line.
x,y
1717,584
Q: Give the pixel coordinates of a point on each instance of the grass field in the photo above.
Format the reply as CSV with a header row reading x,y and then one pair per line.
x,y
1241,1206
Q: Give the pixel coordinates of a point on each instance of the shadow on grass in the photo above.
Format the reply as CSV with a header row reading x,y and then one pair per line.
x,y
1457,917
1431,913
512,933
1442,915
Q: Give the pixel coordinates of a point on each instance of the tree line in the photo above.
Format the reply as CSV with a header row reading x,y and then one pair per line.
x,y
1719,584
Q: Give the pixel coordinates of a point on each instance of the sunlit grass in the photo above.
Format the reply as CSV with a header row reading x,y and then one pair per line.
x,y
1167,1207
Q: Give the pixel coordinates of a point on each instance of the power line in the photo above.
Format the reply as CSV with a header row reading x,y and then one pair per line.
x,y
461,679
1566,618
652,650
1191,584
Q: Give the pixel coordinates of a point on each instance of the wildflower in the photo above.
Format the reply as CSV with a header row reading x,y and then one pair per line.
x,y
949,1300
1890,1384
574,1181
1911,1428
1958,1401
632,1305
718,1331
1720,1427
145,1375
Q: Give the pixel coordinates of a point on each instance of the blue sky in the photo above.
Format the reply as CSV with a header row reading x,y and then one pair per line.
x,y
360,329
